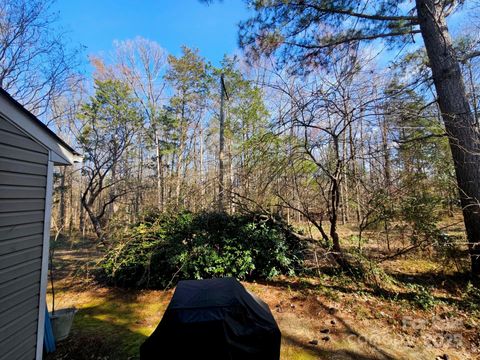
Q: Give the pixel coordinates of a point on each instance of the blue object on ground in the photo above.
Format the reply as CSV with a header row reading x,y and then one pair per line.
x,y
48,338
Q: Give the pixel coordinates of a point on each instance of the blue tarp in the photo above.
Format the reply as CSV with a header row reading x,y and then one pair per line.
x,y
48,338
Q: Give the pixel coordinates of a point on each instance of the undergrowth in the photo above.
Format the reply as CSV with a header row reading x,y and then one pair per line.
x,y
162,249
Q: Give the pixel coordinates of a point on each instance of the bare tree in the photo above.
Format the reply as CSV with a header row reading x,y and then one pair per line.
x,y
35,64
321,112
142,63
306,32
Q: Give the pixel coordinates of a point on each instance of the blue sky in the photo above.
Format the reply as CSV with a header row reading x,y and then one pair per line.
x,y
212,28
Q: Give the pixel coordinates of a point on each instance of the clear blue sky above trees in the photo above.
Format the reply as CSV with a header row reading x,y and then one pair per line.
x,y
95,24
212,28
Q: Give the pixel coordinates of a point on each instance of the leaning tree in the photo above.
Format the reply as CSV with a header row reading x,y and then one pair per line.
x,y
108,124
302,33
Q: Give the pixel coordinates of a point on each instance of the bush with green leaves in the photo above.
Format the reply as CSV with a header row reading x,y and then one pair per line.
x,y
198,246
421,213
471,298
422,297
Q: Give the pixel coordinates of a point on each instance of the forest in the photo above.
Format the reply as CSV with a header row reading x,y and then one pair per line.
x,y
332,164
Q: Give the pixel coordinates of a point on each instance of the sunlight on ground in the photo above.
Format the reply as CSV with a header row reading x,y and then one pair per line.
x,y
346,319
127,318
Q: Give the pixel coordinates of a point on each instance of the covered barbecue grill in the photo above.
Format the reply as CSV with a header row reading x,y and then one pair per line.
x,y
215,319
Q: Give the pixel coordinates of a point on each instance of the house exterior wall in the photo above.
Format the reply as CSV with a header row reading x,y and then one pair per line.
x,y
24,166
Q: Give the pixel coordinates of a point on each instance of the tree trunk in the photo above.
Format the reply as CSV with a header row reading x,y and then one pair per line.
x,y
160,188
344,190
473,92
72,207
221,150
81,221
97,226
356,181
459,121
139,190
387,174
338,254
202,181
180,157
231,178
61,205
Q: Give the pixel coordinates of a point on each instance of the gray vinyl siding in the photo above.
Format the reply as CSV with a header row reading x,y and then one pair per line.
x,y
23,180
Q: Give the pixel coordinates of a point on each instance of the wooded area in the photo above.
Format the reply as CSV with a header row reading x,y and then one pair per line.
x,y
311,128
344,136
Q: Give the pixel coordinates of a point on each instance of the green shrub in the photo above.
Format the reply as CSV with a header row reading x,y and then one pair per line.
x,y
197,246
422,297
471,298
420,211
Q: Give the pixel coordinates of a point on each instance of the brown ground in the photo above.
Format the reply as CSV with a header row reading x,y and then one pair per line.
x,y
348,320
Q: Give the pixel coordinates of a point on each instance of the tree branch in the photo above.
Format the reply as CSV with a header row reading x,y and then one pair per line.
x,y
378,17
469,56
348,39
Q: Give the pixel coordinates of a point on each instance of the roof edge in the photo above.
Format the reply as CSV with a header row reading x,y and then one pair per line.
x,y
63,147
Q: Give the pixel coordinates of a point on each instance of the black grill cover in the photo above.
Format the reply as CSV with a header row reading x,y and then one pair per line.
x,y
216,319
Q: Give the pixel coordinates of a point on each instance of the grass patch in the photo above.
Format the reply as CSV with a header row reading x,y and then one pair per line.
x,y
294,353
112,325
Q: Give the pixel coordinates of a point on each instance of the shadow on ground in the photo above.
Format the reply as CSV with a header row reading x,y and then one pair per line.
x,y
450,283
111,325
92,339
331,354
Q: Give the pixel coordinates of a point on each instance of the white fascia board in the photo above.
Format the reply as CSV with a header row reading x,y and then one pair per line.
x,y
60,155
59,160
